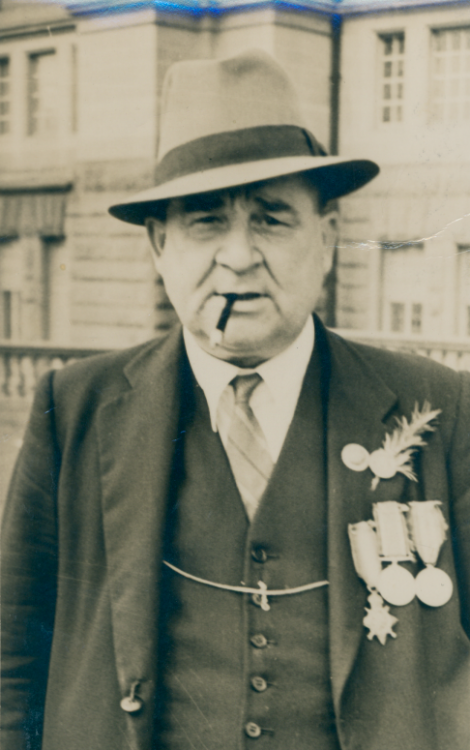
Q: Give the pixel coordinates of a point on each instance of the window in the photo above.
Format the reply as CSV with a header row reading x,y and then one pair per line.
x,y
392,68
462,298
4,95
10,289
404,288
416,317
450,90
397,317
26,293
42,93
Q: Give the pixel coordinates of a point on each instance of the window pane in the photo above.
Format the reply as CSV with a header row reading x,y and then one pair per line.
x,y
6,315
391,91
416,318
450,68
4,95
388,45
397,317
43,93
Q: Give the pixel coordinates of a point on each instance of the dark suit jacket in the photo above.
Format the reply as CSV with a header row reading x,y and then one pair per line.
x,y
82,554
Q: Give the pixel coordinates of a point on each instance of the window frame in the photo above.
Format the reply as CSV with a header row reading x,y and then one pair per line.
x,y
392,81
434,119
5,118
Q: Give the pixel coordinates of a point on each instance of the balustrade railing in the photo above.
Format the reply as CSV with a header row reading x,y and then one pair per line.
x,y
453,352
21,365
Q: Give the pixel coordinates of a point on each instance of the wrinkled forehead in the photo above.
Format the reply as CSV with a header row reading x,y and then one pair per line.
x,y
278,194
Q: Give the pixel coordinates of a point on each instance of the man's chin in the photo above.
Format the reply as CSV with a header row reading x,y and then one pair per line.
x,y
247,350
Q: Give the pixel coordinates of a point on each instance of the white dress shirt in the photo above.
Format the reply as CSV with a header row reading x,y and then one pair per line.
x,y
273,401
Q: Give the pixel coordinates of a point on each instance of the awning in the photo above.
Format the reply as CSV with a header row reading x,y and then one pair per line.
x,y
33,211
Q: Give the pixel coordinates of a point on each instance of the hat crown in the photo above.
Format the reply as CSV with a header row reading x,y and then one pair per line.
x,y
206,97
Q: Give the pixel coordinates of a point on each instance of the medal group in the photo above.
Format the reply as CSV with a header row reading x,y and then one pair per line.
x,y
397,531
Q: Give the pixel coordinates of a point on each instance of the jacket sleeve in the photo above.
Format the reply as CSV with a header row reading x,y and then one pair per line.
x,y
459,464
29,571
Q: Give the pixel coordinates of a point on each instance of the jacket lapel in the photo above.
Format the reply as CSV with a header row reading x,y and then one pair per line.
x,y
360,407
136,433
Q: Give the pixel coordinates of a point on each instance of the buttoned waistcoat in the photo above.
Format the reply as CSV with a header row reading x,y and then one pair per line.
x,y
82,554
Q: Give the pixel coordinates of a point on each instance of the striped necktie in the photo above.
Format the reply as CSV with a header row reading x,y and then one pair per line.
x,y
246,445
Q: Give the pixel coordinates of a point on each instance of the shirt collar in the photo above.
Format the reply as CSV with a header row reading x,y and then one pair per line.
x,y
283,374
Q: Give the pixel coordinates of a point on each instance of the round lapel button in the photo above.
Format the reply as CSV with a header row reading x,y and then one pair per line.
x,y
131,705
355,457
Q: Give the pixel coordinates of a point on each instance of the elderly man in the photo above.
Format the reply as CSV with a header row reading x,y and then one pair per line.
x,y
251,533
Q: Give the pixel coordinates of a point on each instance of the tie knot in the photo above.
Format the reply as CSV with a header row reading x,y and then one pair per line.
x,y
243,386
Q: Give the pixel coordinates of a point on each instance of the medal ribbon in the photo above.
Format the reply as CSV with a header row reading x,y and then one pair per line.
x,y
391,526
365,552
428,529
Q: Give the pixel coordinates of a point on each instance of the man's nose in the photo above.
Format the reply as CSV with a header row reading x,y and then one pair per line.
x,y
238,250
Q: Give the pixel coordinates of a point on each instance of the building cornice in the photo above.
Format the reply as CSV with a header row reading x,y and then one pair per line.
x,y
221,7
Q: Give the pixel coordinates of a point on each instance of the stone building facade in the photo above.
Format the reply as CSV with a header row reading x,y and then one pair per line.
x,y
79,97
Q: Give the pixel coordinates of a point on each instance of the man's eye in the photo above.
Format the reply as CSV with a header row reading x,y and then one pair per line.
x,y
209,219
271,221
268,220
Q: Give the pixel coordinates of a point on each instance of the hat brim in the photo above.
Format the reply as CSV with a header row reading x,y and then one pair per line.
x,y
333,175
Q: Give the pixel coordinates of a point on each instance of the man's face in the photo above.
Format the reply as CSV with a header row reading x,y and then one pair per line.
x,y
265,240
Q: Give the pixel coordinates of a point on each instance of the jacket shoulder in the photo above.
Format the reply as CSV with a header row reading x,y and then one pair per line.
x,y
414,379
403,367
104,373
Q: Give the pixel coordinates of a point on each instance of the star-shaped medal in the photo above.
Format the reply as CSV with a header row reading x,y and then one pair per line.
x,y
378,619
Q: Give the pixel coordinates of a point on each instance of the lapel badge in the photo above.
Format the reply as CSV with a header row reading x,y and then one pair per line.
x,y
397,531
397,449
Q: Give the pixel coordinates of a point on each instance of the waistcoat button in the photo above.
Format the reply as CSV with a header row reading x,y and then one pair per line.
x,y
259,641
259,554
252,730
131,705
259,684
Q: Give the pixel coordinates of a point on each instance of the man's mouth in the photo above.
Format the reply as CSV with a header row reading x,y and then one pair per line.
x,y
234,297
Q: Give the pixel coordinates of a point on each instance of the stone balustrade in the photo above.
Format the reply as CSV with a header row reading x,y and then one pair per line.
x,y
454,353
21,365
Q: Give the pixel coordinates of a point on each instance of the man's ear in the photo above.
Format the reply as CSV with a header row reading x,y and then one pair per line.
x,y
329,229
156,230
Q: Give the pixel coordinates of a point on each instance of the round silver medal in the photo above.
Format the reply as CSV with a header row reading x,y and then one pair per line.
x,y
397,585
355,457
433,587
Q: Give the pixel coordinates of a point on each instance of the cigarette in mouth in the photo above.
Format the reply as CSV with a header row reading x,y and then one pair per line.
x,y
217,334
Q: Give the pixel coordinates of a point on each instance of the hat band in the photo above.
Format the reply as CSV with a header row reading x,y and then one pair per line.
x,y
236,147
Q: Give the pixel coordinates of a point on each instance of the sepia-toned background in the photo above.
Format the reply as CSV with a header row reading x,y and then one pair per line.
x,y
80,84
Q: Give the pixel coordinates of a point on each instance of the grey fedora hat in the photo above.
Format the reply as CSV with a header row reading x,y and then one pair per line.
x,y
233,122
